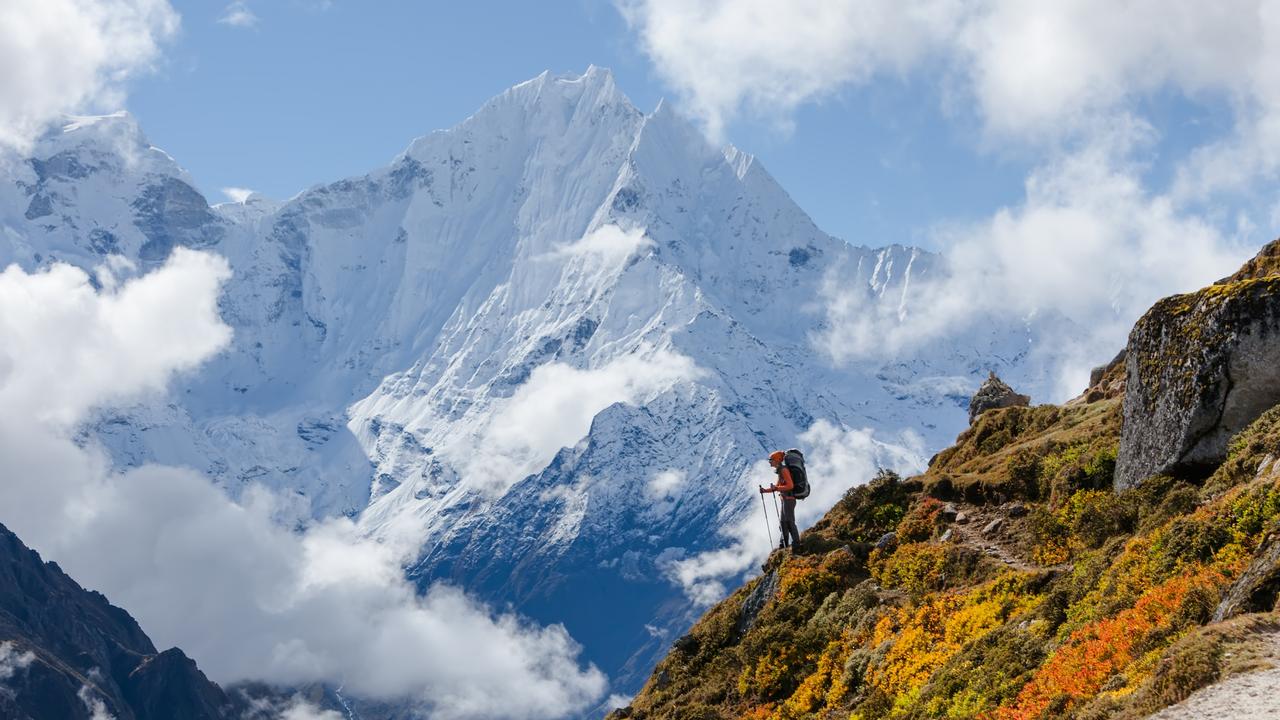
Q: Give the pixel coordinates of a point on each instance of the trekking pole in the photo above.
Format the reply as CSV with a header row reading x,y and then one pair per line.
x,y
765,507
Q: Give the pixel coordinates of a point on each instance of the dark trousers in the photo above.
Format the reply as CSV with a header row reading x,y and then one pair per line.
x,y
790,533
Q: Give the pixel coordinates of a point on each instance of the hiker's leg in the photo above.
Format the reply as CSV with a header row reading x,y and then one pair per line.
x,y
789,520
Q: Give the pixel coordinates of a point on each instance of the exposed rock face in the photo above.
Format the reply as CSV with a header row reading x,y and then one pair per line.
x,y
1105,382
1199,368
73,654
1256,589
995,393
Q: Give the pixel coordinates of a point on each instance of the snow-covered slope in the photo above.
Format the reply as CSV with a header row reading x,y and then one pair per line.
x,y
543,346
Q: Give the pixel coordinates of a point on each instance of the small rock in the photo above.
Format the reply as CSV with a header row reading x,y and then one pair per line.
x,y
946,536
888,540
993,526
962,518
949,512
1016,510
994,394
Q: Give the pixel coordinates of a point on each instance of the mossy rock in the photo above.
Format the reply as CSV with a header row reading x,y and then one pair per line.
x,y
1200,368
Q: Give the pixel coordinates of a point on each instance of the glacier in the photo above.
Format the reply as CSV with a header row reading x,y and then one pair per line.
x,y
543,347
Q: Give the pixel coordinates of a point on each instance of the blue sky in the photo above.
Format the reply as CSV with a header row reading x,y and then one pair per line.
x,y
313,93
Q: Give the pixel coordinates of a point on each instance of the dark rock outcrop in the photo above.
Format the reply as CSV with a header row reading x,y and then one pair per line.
x,y
1257,588
1199,368
79,652
994,393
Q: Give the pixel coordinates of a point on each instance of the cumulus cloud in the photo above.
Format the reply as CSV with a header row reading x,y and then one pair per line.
x,y
64,56
1029,68
239,14
246,598
554,408
836,459
608,242
1089,248
237,194
725,57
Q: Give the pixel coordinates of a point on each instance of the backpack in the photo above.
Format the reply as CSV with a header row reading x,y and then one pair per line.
x,y
793,461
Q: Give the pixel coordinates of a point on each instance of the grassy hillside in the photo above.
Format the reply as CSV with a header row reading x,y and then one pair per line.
x,y
1016,584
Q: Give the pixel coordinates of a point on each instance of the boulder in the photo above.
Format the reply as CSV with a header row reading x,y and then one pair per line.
x,y
1016,510
994,393
1199,368
993,527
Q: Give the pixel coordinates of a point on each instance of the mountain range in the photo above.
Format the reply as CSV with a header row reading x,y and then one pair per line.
x,y
545,348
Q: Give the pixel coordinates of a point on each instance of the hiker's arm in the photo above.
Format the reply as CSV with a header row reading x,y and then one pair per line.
x,y
784,480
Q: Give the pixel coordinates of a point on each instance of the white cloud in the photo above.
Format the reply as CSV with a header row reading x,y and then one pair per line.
x,y
239,14
1032,69
608,242
63,56
300,709
725,57
836,459
237,194
12,661
94,704
554,408
246,598
663,485
1067,82
618,700
1088,243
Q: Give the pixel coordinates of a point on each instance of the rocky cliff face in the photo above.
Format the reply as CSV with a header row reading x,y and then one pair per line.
x,y
66,652
1200,367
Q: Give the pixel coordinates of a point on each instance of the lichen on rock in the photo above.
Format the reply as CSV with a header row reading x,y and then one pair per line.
x,y
1200,368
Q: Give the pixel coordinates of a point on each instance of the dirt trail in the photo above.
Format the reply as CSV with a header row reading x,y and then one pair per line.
x,y
1252,696
996,544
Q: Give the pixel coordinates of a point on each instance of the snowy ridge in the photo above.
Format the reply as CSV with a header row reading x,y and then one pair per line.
x,y
544,346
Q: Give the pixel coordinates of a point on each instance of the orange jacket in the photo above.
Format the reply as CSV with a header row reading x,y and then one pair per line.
x,y
784,485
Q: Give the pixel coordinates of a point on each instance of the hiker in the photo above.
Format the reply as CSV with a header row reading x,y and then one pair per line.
x,y
786,487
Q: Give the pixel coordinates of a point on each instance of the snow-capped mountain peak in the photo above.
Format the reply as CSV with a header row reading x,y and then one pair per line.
x,y
544,347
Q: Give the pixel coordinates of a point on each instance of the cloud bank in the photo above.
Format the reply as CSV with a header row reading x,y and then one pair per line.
x,y
63,56
244,597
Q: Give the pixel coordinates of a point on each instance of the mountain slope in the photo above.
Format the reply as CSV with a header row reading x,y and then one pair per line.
x,y
67,653
541,349
1013,579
